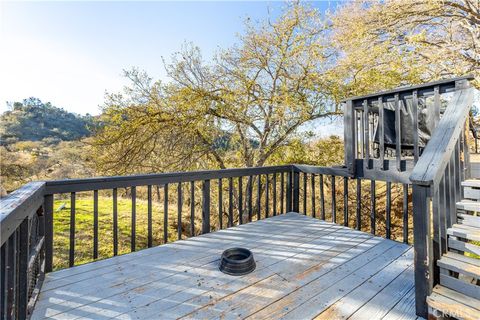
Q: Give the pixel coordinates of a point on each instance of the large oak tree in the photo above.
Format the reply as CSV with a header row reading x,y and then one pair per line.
x,y
236,110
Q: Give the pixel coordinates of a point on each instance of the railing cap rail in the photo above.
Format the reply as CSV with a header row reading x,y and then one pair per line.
x,y
19,204
408,88
98,183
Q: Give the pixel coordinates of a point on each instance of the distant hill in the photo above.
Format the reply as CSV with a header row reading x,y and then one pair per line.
x,y
33,120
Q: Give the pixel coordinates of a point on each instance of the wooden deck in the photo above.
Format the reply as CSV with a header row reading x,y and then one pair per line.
x,y
306,268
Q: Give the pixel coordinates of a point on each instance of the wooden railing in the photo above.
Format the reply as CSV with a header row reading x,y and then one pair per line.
x,y
436,180
23,241
205,201
215,200
238,185
386,132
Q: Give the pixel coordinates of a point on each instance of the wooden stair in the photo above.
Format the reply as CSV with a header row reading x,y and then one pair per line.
x,y
458,294
454,304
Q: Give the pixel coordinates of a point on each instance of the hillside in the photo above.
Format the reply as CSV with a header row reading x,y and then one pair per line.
x,y
33,120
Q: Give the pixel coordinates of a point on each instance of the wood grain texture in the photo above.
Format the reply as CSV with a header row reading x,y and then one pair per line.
x,y
299,259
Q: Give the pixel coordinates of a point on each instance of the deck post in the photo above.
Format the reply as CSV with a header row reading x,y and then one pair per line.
x,y
206,206
296,192
423,260
349,134
48,208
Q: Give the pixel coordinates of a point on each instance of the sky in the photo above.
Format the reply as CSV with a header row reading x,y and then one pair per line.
x,y
71,53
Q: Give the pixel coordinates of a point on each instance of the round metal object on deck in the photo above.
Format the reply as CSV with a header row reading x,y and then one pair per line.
x,y
237,261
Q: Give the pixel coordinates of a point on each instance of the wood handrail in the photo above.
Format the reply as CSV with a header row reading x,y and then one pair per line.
x,y
87,184
409,88
18,205
431,165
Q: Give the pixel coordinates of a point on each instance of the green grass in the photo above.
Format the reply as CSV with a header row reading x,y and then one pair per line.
x,y
84,228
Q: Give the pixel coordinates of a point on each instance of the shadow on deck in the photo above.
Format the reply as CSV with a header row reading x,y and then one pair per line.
x,y
306,268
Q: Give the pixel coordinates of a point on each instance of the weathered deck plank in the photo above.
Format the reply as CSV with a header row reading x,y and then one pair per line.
x,y
299,259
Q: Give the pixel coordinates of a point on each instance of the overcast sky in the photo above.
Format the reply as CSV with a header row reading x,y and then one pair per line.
x,y
70,53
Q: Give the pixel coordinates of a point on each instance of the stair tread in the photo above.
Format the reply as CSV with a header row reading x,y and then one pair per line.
x,y
471,183
464,231
454,303
461,266
469,220
461,257
468,205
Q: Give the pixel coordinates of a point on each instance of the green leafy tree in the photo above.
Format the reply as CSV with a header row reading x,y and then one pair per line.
x,y
239,110
389,43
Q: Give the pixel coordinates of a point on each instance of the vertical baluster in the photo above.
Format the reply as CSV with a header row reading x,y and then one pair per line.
x,y
322,197
312,190
23,256
345,201
71,256
115,222
165,213
289,191
458,180
381,121
206,206
282,195
192,205
48,221
361,134
3,280
453,210
448,201
230,202
405,213
240,200
95,224
334,201
305,178
149,216
436,244
372,206
250,200
11,268
179,210
398,132
220,203
442,216
259,193
134,218
359,204
274,194
388,209
461,162
436,106
415,124
466,153
366,161
267,198
296,191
